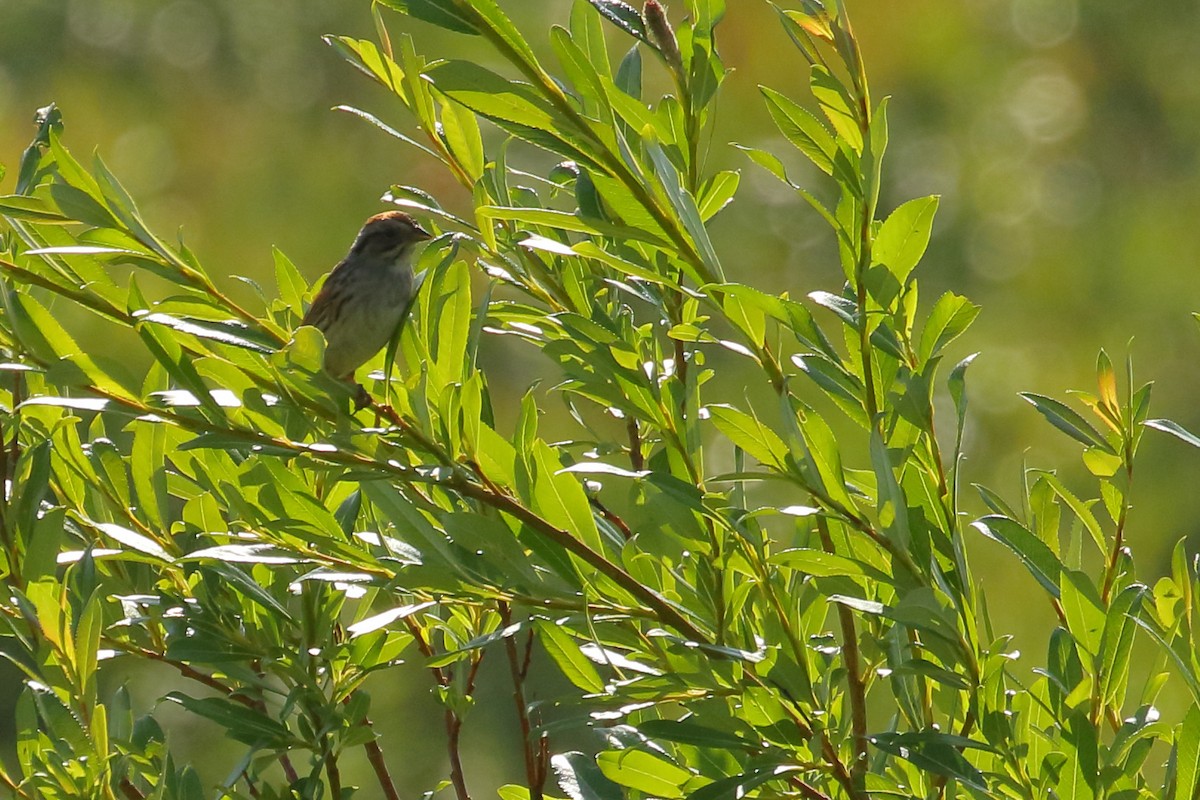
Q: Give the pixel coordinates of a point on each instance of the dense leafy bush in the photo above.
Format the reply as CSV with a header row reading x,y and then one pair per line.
x,y
742,543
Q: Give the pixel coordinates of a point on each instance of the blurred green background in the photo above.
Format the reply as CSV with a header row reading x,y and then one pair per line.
x,y
1061,134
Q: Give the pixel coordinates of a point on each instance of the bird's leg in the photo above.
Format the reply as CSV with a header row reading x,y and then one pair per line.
x,y
362,398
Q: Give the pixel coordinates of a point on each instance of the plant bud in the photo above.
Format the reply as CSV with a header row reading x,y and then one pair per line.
x,y
662,34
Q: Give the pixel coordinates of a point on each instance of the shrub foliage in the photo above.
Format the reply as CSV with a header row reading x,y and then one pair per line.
x,y
755,585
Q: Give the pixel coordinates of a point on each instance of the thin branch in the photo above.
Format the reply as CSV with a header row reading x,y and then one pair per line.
x,y
534,767
807,790
452,722
636,460
379,765
130,791
616,521
334,774
855,687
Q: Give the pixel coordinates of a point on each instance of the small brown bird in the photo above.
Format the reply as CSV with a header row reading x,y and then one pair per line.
x,y
366,294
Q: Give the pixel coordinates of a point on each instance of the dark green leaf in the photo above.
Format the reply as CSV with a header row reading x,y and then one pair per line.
x,y
624,16
1033,552
581,779
1068,421
443,13
936,752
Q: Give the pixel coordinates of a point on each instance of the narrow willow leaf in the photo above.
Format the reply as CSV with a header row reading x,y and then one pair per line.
x,y
388,129
566,654
1117,645
581,779
1068,421
1033,552
560,498
443,13
686,732
904,235
513,106
231,332
936,752
514,47
892,509
802,129
461,132
383,619
624,16
588,31
31,209
1175,429
240,722
1081,773
820,564
748,433
629,74
718,193
950,317
739,786
644,772
559,220
1081,510
685,207
837,105
365,56
770,162
139,542
587,84
1187,756
289,281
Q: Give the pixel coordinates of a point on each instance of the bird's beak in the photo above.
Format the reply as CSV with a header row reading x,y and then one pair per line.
x,y
424,234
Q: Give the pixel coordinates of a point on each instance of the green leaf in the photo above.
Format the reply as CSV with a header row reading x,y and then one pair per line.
x,y
837,105
588,32
367,58
802,129
31,209
559,497
718,193
624,16
820,564
904,235
39,332
1187,756
1083,609
749,434
629,74
1068,421
892,507
513,106
240,722
737,787
581,779
1080,774
514,46
1175,429
1117,646
1033,552
950,317
443,13
935,752
290,282
461,132
685,732
685,207
566,654
644,772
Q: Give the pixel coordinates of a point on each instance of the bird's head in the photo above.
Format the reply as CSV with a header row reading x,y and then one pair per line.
x,y
389,236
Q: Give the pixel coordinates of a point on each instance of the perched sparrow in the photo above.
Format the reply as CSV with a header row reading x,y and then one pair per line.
x,y
364,297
